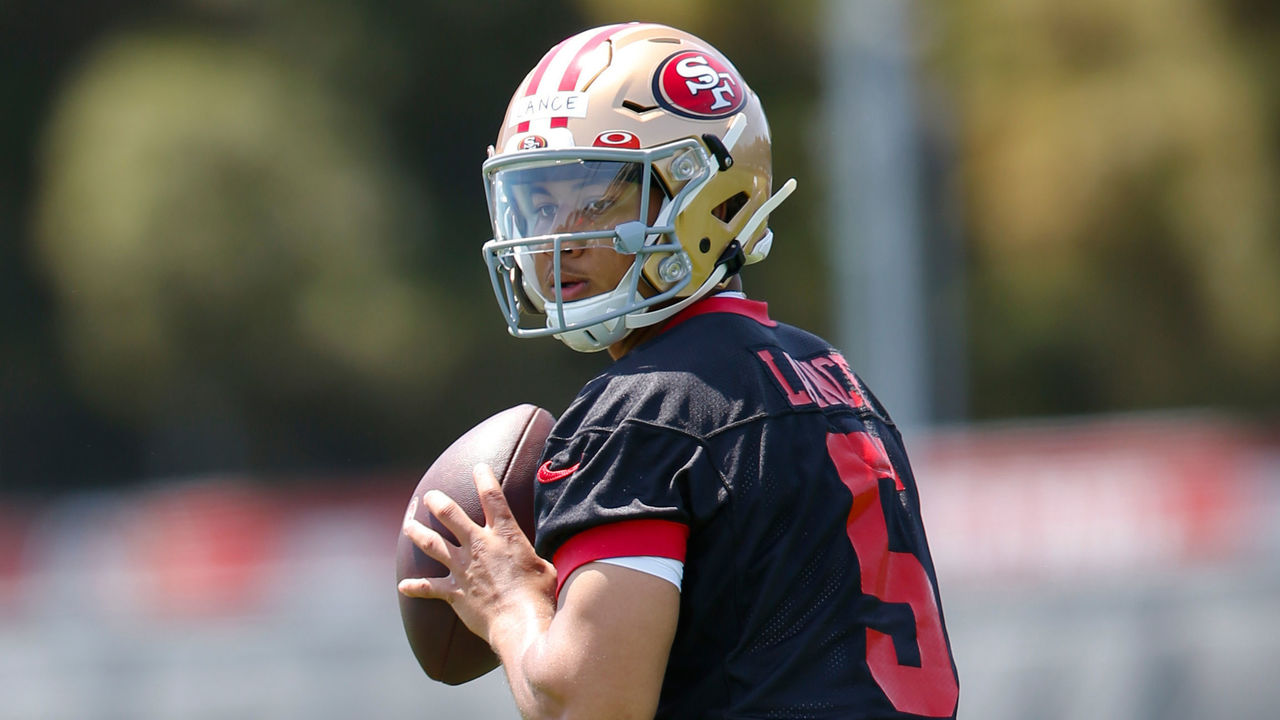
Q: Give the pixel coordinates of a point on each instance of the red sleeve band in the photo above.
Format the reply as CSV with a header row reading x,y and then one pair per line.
x,y
663,538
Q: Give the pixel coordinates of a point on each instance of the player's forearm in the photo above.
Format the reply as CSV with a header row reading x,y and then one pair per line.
x,y
519,639
551,675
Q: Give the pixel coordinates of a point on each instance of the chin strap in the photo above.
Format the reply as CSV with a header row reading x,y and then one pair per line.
x,y
656,316
730,263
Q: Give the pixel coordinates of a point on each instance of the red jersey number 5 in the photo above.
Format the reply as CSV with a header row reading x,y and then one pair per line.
x,y
893,577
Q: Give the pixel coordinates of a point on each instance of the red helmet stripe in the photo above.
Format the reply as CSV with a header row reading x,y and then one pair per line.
x,y
570,78
536,79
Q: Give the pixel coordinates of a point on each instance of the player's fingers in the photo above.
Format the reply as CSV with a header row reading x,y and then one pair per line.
x,y
491,498
453,517
431,542
441,588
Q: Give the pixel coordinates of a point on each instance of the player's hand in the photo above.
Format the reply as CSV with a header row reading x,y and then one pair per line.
x,y
494,573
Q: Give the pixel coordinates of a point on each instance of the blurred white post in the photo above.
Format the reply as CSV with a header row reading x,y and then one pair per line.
x,y
873,159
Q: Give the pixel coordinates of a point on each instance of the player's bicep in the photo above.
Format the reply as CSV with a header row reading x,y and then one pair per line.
x,y
613,630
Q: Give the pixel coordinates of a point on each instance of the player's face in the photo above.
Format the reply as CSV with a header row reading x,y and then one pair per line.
x,y
593,201
577,205
586,268
584,271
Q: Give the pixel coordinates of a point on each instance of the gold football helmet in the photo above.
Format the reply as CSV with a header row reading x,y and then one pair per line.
x,y
658,149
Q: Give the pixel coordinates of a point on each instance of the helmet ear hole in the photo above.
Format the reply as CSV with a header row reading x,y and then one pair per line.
x,y
726,211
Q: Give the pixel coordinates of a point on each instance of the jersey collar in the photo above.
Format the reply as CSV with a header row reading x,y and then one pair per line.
x,y
754,309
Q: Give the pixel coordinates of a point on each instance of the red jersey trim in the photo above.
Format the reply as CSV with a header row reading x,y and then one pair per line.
x,y
663,538
754,309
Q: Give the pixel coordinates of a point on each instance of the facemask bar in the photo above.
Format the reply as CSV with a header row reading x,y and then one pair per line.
x,y
698,161
567,197
690,163
504,274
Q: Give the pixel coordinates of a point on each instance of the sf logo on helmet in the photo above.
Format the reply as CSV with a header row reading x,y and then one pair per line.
x,y
695,84
701,77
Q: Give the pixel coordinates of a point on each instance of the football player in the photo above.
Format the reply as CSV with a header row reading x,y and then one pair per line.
x,y
727,522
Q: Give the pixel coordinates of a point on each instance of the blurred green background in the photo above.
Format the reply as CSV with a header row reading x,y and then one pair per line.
x,y
243,307
244,236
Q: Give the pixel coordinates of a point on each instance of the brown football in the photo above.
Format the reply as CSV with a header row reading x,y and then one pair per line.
x,y
511,443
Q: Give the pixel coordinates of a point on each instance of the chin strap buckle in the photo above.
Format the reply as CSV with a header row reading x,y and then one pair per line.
x,y
732,258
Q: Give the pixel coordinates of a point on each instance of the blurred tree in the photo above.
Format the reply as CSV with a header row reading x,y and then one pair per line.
x,y
1118,161
40,415
236,223
221,235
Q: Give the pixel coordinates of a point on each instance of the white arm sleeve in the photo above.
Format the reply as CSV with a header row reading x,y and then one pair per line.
x,y
670,570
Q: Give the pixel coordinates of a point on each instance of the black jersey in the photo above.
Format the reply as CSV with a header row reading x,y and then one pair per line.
x,y
748,449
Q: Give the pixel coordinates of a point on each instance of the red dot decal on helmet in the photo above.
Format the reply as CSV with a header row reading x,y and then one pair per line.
x,y
697,84
617,139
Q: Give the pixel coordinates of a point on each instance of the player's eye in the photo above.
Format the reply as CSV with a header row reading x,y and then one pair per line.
x,y
599,206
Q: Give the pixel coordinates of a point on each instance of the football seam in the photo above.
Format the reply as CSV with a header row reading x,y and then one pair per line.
x,y
515,451
443,664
